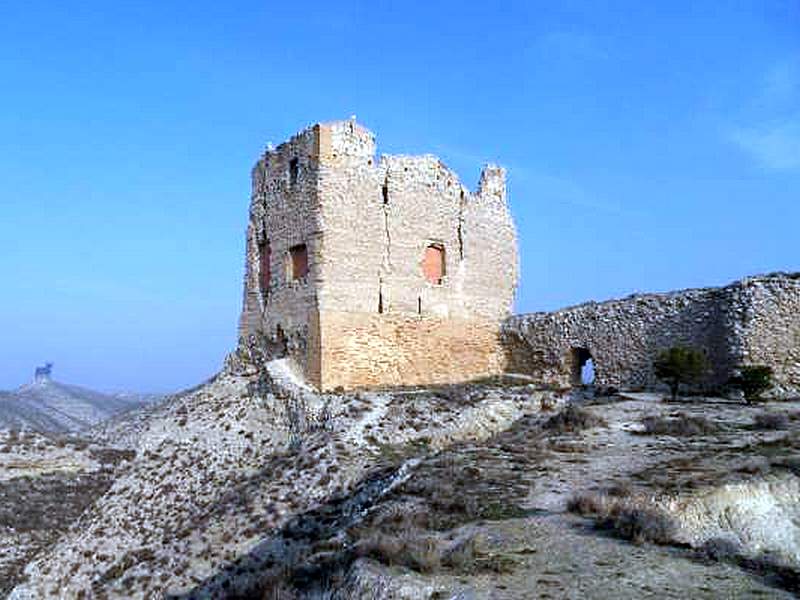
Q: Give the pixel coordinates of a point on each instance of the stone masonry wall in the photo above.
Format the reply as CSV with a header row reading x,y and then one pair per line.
x,y
286,214
767,321
754,321
379,216
396,350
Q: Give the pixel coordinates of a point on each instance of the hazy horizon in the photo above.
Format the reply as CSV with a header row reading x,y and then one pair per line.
x,y
648,148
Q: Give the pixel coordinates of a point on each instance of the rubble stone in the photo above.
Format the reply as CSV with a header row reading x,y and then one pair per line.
x,y
752,321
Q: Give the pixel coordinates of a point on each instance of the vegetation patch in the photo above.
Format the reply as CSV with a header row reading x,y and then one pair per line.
x,y
771,420
678,425
627,516
753,381
573,419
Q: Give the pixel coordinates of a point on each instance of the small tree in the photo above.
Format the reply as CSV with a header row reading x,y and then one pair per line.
x,y
753,380
678,365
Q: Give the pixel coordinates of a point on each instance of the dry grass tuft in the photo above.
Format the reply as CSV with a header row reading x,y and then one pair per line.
x,y
771,420
679,425
412,549
427,552
629,517
573,419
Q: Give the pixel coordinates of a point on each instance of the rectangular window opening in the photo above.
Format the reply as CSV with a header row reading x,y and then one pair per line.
x,y
433,263
298,261
294,170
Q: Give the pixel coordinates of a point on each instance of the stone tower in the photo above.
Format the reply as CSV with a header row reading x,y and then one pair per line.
x,y
374,272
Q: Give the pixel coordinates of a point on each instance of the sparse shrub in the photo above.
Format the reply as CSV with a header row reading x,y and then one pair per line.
x,y
719,548
426,553
413,550
769,420
680,365
753,381
679,425
641,524
573,419
630,518
589,504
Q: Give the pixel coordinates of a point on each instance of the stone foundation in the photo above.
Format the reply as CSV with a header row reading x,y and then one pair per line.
x,y
361,350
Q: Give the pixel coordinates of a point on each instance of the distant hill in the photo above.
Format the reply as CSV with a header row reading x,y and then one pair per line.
x,y
47,405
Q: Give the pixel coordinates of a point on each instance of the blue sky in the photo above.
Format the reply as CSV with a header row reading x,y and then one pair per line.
x,y
650,146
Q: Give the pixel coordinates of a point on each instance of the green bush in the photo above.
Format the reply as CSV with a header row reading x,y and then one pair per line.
x,y
753,380
680,365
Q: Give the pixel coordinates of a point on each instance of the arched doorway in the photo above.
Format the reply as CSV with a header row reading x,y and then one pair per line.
x,y
582,366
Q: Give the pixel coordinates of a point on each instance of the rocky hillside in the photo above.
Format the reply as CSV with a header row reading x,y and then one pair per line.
x,y
49,406
252,486
46,482
220,471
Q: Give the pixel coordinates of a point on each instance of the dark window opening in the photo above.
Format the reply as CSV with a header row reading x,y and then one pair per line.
x,y
380,303
433,264
582,366
419,305
294,170
298,261
385,192
279,344
264,268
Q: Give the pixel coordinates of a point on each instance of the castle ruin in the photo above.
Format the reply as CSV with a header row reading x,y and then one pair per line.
x,y
372,271
387,271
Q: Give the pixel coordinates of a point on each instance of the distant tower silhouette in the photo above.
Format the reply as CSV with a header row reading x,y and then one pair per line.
x,y
43,373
